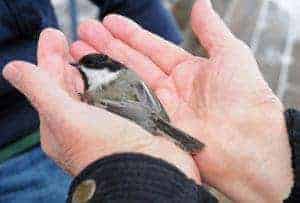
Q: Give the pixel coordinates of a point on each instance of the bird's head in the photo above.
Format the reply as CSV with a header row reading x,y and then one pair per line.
x,y
98,69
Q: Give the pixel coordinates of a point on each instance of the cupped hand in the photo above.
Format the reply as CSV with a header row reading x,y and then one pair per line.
x,y
223,101
73,133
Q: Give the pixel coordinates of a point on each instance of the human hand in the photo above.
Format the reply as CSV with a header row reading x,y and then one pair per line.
x,y
73,133
223,101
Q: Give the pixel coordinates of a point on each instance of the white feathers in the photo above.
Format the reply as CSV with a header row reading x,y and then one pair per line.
x,y
97,78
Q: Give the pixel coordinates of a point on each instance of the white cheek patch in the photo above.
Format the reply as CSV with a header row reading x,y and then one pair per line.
x,y
97,78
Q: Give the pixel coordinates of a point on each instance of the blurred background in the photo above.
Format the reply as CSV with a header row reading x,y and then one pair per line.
x,y
269,27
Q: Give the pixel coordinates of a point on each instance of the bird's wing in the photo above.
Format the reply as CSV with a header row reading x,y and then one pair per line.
x,y
148,98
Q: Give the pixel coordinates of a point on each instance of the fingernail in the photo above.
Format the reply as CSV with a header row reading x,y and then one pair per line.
x,y
10,72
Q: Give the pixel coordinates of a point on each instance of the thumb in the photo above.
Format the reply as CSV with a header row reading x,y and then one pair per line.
x,y
209,27
37,85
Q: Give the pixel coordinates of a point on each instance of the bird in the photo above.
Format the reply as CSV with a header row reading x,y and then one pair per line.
x,y
110,85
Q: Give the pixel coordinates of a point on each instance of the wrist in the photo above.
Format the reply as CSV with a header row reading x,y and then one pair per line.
x,y
250,169
272,179
162,148
269,179
154,146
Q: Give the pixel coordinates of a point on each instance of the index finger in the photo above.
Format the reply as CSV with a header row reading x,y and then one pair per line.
x,y
163,53
52,52
53,56
96,35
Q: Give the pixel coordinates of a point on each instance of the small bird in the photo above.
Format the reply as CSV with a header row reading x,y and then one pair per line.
x,y
118,89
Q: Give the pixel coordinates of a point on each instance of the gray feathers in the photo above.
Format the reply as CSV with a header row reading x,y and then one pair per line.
x,y
112,86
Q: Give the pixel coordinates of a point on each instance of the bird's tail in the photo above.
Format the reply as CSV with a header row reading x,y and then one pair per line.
x,y
184,140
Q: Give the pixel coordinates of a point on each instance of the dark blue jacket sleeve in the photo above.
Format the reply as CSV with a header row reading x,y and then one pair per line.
x,y
135,178
293,125
150,14
21,22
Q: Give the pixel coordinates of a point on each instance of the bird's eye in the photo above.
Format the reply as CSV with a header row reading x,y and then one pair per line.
x,y
89,63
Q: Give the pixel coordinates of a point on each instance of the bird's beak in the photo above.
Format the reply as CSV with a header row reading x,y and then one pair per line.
x,y
77,65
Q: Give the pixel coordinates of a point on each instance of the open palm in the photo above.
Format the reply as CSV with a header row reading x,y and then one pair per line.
x,y
223,101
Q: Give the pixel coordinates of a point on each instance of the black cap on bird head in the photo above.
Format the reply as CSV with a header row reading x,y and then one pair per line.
x,y
100,61
96,61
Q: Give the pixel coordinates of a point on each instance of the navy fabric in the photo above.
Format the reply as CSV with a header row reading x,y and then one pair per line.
x,y
17,119
136,178
20,24
21,21
150,14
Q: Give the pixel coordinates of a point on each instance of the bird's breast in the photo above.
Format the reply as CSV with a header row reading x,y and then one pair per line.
x,y
119,87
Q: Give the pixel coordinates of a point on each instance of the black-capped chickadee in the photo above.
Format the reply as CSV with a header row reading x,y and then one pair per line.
x,y
114,87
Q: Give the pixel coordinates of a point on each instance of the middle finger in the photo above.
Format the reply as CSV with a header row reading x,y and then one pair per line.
x,y
95,34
